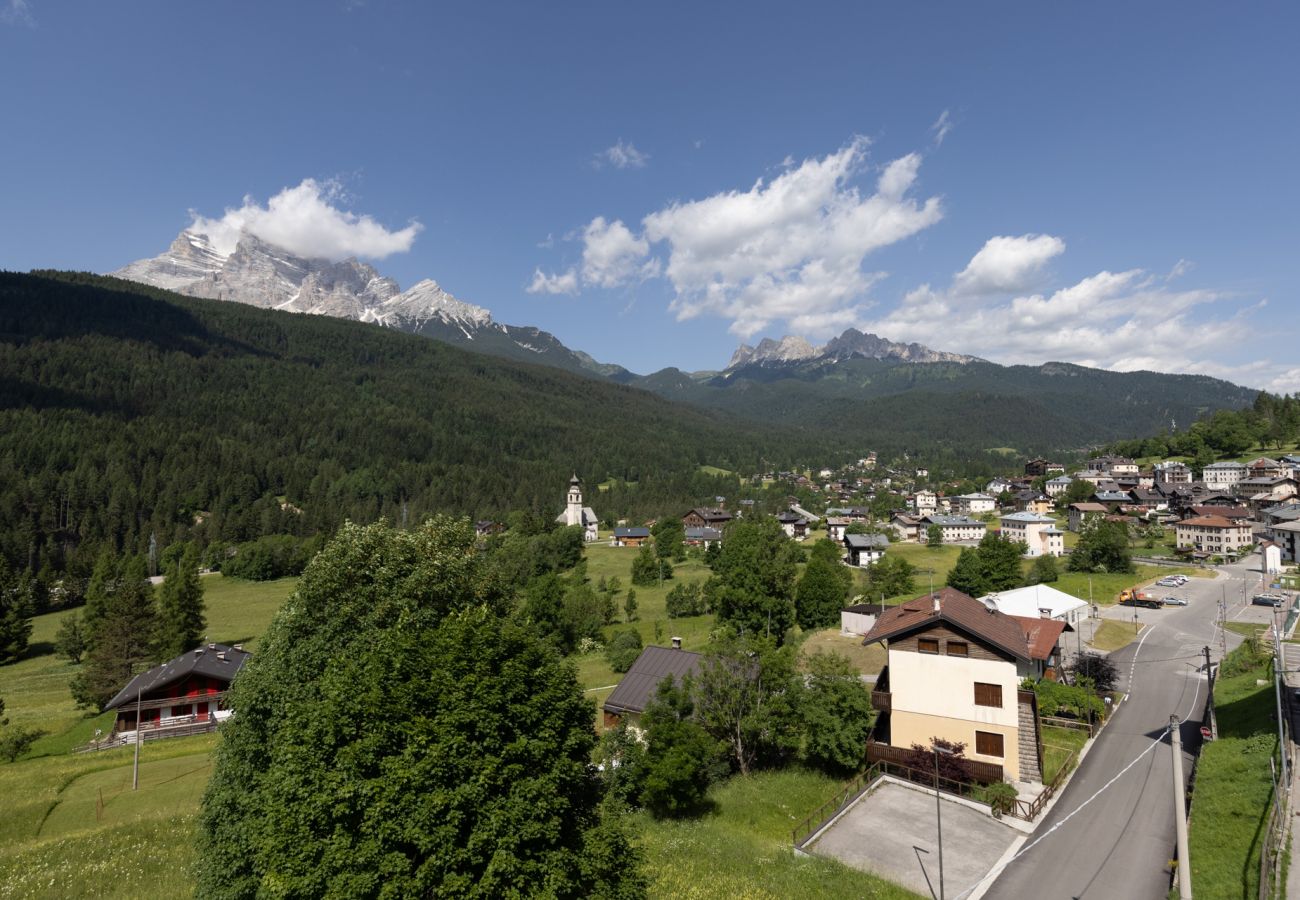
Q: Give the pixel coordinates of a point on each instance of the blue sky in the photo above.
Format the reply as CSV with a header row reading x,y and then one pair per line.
x,y
1112,184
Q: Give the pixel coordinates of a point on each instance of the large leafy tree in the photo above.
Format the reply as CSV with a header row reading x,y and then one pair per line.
x,y
746,695
1102,547
752,586
891,577
993,565
682,759
823,587
836,712
398,735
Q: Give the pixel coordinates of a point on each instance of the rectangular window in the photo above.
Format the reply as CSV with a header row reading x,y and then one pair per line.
x,y
927,645
988,744
958,648
988,694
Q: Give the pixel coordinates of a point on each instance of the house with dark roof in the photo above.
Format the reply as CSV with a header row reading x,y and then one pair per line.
x,y
865,549
954,671
860,618
182,696
637,687
1081,512
706,517
952,529
794,525
703,536
630,537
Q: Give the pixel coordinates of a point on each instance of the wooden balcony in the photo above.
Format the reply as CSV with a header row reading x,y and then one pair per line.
x,y
881,699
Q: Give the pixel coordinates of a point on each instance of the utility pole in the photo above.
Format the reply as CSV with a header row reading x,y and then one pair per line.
x,y
135,767
1209,683
1277,687
1180,813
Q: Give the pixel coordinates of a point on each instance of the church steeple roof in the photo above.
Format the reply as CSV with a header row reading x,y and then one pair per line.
x,y
575,480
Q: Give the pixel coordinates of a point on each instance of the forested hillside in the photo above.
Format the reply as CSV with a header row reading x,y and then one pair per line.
x,y
128,412
963,409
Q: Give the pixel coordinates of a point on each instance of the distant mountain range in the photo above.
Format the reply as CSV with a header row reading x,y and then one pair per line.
x,y
263,275
863,387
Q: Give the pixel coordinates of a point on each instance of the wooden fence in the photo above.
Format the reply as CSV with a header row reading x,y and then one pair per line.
x,y
984,773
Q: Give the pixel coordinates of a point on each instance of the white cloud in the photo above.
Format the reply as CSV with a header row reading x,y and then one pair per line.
x,y
791,249
17,12
612,254
941,127
306,220
1181,268
622,156
563,283
1113,320
1005,265
787,250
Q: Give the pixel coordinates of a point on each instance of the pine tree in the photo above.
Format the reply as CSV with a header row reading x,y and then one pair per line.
x,y
15,615
180,608
123,643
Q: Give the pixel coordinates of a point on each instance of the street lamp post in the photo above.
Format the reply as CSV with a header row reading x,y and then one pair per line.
x,y
938,809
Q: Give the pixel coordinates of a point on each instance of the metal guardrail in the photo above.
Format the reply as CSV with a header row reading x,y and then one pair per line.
x,y
849,792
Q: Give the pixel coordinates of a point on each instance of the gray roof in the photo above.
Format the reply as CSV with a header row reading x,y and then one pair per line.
x,y
632,532
866,541
1028,517
704,533
952,520
1112,497
638,686
206,661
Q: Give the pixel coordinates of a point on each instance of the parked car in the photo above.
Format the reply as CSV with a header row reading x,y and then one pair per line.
x,y
1168,582
1174,601
1273,600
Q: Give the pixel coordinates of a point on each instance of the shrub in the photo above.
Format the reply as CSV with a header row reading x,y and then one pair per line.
x,y
685,600
623,649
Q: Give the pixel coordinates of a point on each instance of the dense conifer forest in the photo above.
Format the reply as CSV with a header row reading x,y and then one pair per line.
x,y
130,415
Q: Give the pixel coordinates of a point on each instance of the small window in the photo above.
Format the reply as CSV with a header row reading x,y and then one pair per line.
x,y
928,645
988,744
988,694
958,648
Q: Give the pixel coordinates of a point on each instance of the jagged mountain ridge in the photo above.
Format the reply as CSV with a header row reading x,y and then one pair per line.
x,y
260,274
851,344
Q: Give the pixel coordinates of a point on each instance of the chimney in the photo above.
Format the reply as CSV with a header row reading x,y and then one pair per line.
x,y
239,647
1044,612
677,643
222,656
938,607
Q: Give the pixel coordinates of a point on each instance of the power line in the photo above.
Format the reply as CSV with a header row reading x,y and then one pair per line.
x,y
999,869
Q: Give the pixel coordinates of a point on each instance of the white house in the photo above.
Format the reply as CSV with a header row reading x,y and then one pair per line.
x,y
1223,476
953,529
1057,486
859,618
1039,600
1038,533
836,526
925,502
865,549
577,514
1213,534
973,504
1272,557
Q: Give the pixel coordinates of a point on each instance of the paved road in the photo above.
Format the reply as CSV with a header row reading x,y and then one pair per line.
x,y
1120,843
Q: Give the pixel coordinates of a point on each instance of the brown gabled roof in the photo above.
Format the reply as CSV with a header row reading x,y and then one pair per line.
x,y
1088,507
1042,635
957,609
638,686
1227,512
1211,522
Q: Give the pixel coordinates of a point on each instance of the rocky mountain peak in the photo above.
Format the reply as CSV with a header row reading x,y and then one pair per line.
x,y
852,343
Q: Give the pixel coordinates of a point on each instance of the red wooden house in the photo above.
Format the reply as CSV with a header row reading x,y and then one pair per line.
x,y
182,696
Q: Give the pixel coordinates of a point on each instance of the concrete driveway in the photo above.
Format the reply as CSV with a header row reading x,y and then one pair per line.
x,y
882,831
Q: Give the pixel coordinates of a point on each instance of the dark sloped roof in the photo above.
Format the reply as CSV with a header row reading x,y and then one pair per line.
x,y
206,661
638,686
865,541
703,533
632,532
866,609
955,608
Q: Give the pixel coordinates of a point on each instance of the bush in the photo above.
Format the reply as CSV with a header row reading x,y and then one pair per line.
x,y
1000,796
1055,698
953,764
623,649
685,600
16,740
273,556
1249,655
1097,670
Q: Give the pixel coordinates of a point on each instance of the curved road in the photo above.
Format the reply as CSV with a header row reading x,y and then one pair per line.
x,y
1120,843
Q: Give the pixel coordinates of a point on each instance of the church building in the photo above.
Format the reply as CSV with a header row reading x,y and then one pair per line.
x,y
577,514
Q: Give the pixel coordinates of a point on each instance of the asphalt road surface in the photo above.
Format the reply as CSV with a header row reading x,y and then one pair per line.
x,y
1119,843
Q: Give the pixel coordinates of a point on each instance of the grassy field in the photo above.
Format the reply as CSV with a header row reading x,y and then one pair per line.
x,y
74,827
1113,635
1233,789
868,660
742,848
1061,745
36,688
